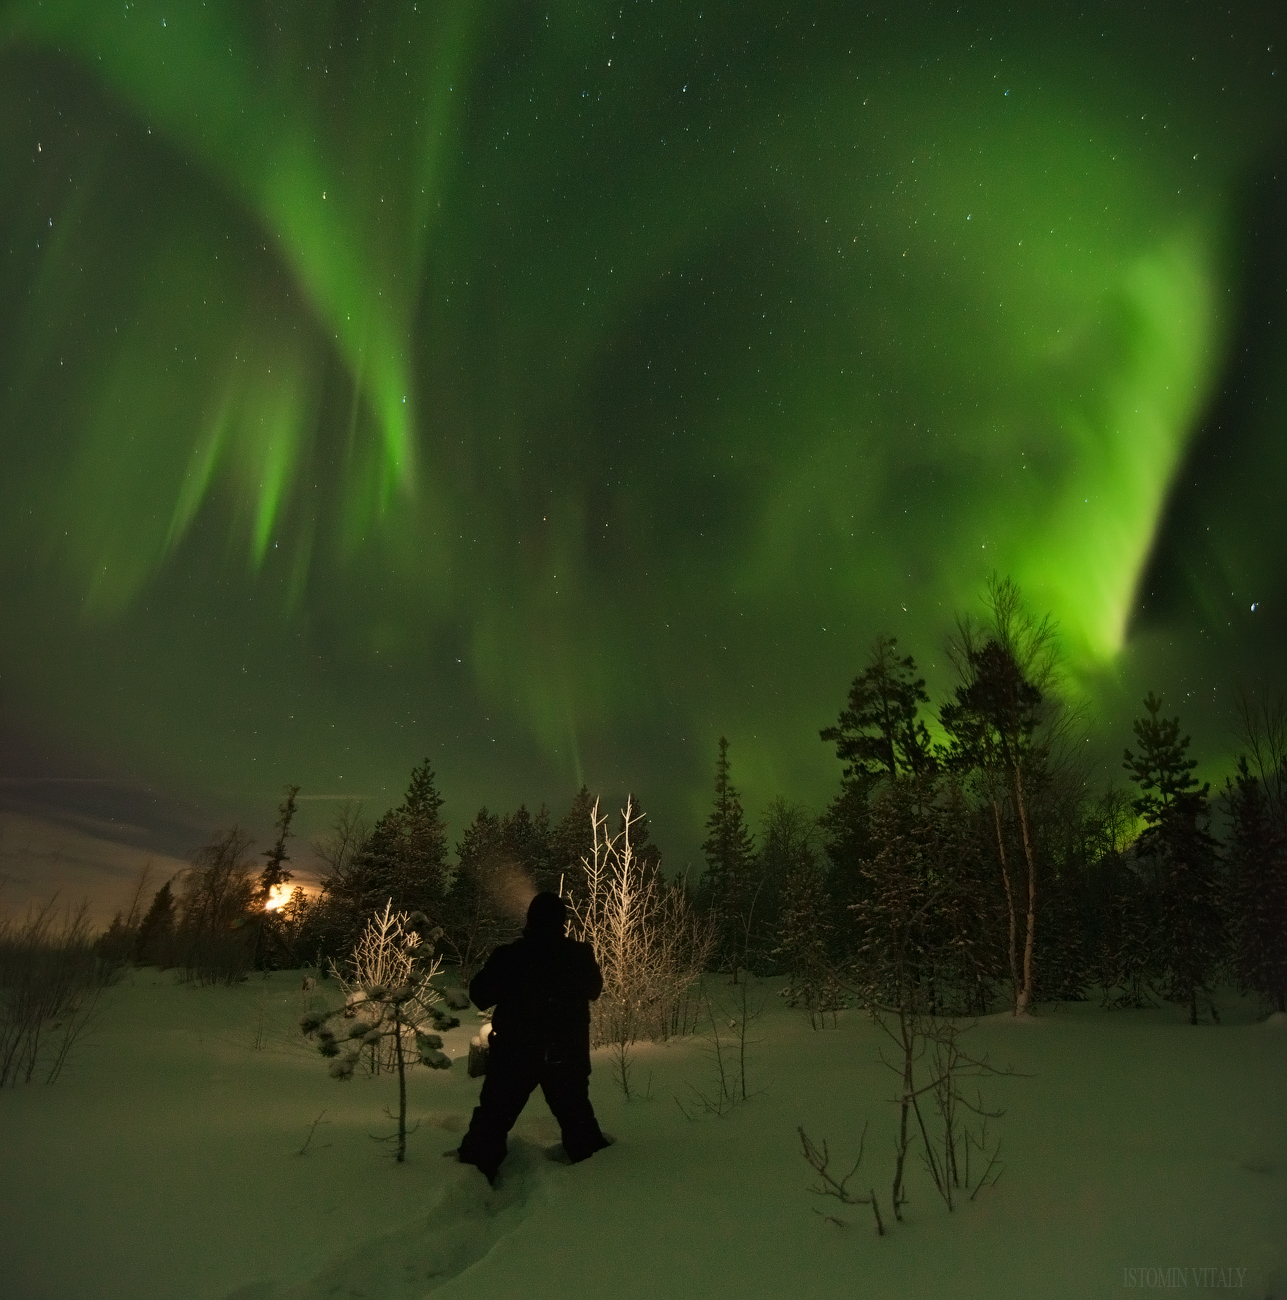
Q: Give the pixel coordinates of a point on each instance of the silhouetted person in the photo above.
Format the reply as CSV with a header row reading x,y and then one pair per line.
x,y
541,986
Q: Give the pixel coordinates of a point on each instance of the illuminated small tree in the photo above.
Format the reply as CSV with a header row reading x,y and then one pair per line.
x,y
649,943
389,997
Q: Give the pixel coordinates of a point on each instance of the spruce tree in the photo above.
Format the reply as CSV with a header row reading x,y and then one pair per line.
x,y
573,840
527,839
1162,769
1178,845
156,930
1257,889
881,733
728,885
804,937
472,917
789,841
403,859
645,852
274,875
878,736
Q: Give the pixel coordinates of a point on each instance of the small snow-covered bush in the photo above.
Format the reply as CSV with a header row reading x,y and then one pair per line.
x,y
389,1000
387,970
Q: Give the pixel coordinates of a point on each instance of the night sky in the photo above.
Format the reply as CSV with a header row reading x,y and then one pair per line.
x,y
550,388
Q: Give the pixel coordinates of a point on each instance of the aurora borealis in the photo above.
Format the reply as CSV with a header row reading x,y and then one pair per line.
x,y
550,388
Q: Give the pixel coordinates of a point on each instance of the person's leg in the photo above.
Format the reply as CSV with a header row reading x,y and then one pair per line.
x,y
507,1085
567,1093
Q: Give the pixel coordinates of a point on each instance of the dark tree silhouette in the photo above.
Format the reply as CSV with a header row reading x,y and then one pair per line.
x,y
1177,844
1001,727
881,733
878,736
728,886
1162,769
402,859
1257,888
472,916
571,841
156,931
270,937
274,874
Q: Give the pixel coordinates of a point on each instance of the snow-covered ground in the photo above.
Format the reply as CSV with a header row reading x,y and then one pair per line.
x,y
166,1163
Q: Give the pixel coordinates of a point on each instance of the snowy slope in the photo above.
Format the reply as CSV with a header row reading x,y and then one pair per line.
x,y
165,1164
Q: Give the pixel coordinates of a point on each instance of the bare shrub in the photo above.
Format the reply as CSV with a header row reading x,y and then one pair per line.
x,y
648,940
727,1039
50,983
829,1184
216,901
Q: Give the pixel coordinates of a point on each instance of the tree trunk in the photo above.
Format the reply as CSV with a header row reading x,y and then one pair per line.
x,y
908,1089
1025,993
1009,899
402,1085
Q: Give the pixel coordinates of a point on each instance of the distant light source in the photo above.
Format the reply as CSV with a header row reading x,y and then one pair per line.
x,y
278,896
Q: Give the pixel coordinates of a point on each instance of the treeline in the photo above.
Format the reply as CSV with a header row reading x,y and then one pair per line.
x,y
984,869
952,875
213,921
231,912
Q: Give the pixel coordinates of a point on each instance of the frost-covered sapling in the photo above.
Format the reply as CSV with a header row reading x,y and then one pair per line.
x,y
650,944
389,999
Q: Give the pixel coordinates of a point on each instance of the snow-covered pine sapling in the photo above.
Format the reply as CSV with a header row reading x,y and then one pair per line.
x,y
389,998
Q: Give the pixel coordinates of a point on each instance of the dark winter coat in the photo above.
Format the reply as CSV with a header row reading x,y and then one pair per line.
x,y
541,988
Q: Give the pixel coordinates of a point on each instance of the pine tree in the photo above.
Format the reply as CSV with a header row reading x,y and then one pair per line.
x,y
572,841
923,943
424,841
1257,889
992,722
1001,724
804,936
643,850
527,840
403,859
275,875
1179,847
389,1004
1162,770
879,736
729,884
156,930
881,733
789,841
472,918
270,938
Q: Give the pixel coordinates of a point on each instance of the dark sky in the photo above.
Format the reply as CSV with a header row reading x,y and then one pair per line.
x,y
548,389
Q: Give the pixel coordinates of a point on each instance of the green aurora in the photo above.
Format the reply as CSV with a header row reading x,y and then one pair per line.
x,y
549,389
